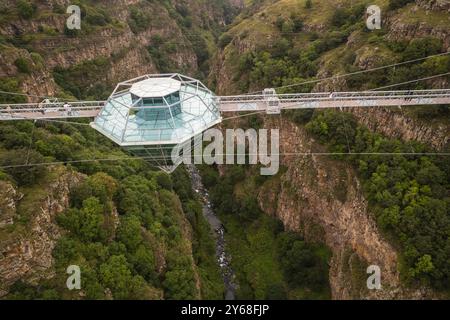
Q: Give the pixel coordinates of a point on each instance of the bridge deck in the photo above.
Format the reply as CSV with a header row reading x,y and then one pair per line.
x,y
337,100
244,103
36,111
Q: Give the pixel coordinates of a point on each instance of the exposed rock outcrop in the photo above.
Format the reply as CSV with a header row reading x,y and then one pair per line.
x,y
396,125
26,253
323,199
125,50
8,200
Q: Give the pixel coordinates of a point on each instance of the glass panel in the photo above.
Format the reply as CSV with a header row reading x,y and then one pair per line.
x,y
193,109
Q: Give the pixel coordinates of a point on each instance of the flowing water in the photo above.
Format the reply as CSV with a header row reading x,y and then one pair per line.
x,y
217,228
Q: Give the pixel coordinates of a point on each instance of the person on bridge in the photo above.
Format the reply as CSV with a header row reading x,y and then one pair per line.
x,y
41,106
67,109
9,110
410,93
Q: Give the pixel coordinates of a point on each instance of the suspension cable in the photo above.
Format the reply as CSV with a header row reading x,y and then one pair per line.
x,y
356,72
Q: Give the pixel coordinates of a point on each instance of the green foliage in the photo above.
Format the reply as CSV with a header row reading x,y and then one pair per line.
x,y
85,223
16,164
421,48
144,263
98,18
160,50
11,138
61,147
395,4
258,246
303,264
23,65
182,184
348,15
409,194
139,20
308,4
137,196
26,9
164,180
117,276
99,185
10,85
85,80
225,40
129,232
338,129
282,63
179,282
24,291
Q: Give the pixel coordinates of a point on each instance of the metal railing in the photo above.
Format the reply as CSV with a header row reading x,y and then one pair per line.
x,y
372,95
50,110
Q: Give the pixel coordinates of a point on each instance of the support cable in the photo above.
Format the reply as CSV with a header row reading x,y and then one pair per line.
x,y
355,73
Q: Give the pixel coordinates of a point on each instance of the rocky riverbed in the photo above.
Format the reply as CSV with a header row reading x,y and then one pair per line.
x,y
218,230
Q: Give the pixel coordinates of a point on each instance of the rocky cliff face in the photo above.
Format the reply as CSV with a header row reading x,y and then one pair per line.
x,y
395,124
26,249
402,27
29,231
8,203
125,49
323,200
416,20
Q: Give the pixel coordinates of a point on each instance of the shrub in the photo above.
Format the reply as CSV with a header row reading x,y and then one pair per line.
x,y
395,4
22,65
225,40
164,180
139,21
23,175
422,47
86,223
25,9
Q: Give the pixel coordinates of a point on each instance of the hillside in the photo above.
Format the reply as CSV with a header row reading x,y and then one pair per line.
x,y
117,41
124,223
364,215
307,233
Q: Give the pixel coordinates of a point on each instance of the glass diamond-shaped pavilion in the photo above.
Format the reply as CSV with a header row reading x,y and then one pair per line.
x,y
153,114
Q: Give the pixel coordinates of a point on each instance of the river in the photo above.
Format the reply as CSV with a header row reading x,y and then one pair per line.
x,y
217,229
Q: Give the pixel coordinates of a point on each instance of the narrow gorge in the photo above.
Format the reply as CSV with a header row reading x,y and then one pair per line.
x,y
356,187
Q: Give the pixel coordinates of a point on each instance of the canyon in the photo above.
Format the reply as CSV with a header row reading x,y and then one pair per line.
x,y
318,197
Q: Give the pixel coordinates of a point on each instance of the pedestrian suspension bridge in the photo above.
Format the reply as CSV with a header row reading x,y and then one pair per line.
x,y
152,115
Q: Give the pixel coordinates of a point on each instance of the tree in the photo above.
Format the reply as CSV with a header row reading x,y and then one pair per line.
x,y
179,285
164,180
116,275
308,4
423,265
87,222
26,9
144,263
16,163
395,4
224,40
129,232
302,265
22,65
